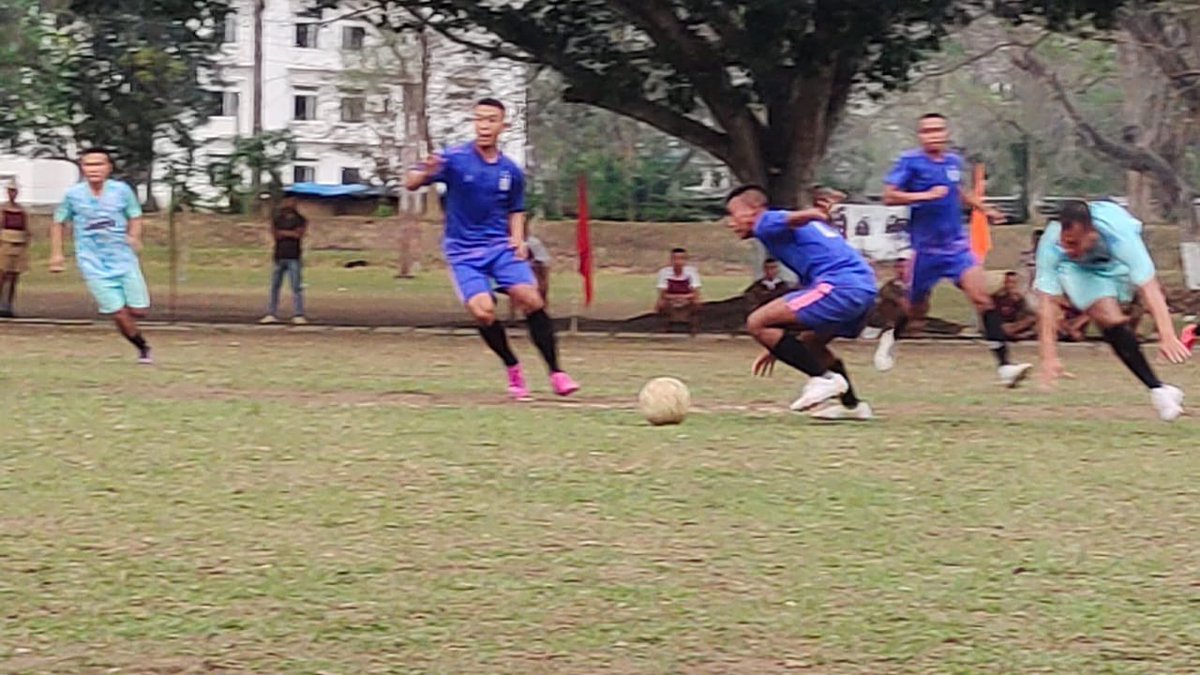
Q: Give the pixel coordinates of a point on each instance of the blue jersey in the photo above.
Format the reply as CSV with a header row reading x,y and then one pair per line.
x,y
935,226
814,251
100,225
1119,253
480,195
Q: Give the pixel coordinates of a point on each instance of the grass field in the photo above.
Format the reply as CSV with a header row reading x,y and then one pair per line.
x,y
347,503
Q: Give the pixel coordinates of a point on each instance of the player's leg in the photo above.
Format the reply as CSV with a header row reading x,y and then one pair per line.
x,y
8,282
136,296
972,279
837,312
1102,297
516,276
769,325
474,290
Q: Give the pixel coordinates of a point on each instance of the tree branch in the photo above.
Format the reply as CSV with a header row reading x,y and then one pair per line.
x,y
977,57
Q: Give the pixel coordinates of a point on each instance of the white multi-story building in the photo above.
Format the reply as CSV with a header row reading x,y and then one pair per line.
x,y
351,96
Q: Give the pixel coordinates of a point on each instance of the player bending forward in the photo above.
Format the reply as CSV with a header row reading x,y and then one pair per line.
x,y
837,291
1095,255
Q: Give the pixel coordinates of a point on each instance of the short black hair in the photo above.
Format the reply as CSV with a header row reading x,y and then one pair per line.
x,y
97,151
678,249
932,115
492,103
1074,212
743,189
769,261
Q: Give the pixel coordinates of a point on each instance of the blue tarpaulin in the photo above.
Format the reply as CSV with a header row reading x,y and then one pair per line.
x,y
324,190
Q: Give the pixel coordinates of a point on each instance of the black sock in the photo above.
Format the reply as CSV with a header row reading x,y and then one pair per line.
x,y
993,331
495,337
793,352
901,324
849,399
541,331
1125,345
138,341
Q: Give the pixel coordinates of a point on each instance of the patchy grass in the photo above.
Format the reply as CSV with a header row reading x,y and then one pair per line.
x,y
338,503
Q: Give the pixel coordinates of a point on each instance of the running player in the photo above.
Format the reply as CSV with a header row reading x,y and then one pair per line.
x,y
107,221
927,180
837,292
484,242
1094,255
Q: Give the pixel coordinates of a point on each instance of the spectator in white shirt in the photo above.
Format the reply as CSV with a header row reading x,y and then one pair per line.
x,y
679,291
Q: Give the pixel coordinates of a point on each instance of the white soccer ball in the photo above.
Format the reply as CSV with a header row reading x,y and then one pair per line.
x,y
664,400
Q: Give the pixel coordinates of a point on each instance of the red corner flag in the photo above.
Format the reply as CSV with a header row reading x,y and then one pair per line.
x,y
981,231
583,243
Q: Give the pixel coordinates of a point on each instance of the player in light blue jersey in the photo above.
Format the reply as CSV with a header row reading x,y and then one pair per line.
x,y
928,181
484,243
837,291
1095,256
106,221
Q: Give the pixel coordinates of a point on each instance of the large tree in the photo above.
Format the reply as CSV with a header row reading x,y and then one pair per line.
x,y
759,84
128,75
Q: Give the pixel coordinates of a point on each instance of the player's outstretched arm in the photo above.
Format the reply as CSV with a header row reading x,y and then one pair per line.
x,y
417,177
1047,328
57,260
894,196
1169,344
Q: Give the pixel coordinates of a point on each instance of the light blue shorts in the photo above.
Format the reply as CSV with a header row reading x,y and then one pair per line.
x,y
113,294
1083,287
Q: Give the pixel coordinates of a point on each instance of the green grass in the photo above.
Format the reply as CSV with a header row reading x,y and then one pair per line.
x,y
340,503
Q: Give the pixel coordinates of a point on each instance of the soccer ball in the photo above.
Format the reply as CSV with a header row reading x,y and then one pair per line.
x,y
664,400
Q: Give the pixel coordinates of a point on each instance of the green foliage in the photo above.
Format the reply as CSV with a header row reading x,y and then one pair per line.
x,y
122,74
264,156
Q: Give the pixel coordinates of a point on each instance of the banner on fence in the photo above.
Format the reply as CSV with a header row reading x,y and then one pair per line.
x,y
878,232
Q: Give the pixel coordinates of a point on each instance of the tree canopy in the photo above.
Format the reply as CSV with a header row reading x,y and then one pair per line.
x,y
759,84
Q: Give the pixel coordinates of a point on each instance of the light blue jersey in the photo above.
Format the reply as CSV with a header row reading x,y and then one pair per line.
x,y
1117,265
100,225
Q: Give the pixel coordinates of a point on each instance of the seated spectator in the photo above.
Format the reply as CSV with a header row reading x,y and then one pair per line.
x,y
1135,311
539,260
890,300
1072,327
679,292
768,287
1018,319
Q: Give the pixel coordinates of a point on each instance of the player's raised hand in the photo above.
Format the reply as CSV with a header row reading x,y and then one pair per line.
x,y
1172,349
433,164
764,365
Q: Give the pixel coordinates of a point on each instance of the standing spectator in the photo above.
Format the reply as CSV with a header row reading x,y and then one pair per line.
x,y
14,250
287,229
1017,319
679,292
768,287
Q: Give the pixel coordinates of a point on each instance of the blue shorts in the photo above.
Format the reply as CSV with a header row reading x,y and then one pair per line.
x,y
927,269
474,277
113,294
830,309
1084,287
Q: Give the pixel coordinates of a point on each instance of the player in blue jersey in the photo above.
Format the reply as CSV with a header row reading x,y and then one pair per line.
x,y
484,242
928,181
837,291
1095,256
106,221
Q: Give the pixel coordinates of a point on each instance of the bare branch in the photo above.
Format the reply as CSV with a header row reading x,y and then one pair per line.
x,y
978,57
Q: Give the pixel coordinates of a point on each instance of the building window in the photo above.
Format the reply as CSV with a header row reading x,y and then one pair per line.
x,y
306,35
302,173
351,176
226,103
353,38
354,108
229,31
305,108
